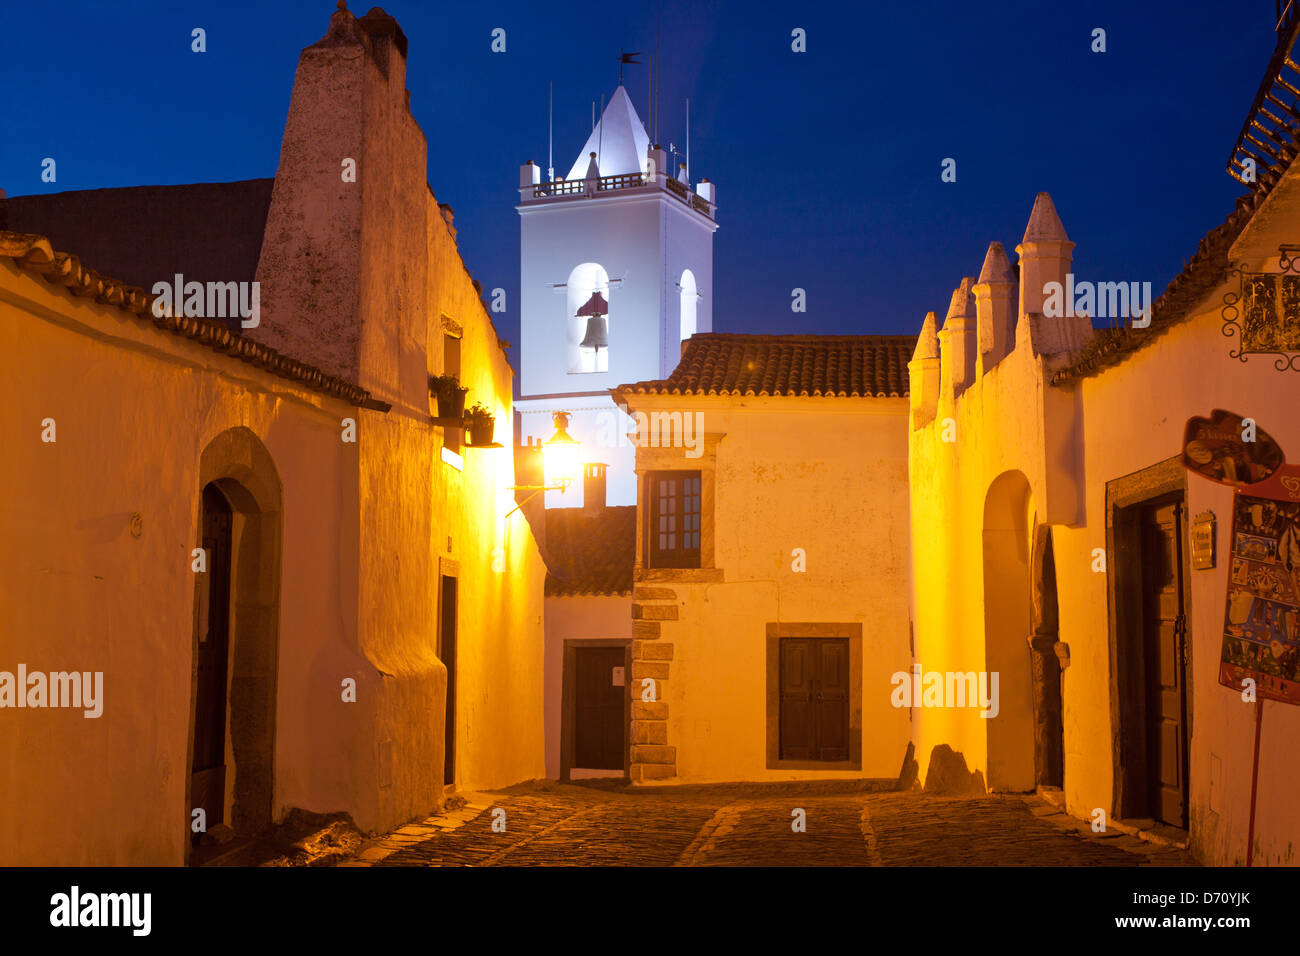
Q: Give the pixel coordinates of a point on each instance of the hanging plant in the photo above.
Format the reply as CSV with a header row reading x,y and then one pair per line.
x,y
482,425
450,395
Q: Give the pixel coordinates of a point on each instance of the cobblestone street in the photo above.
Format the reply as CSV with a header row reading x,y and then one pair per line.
x,y
737,825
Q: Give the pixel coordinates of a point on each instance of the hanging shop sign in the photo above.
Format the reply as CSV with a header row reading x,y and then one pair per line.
x,y
1263,313
1229,449
1261,626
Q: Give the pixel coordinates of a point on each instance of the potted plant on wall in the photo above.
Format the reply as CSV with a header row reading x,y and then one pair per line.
x,y
482,424
451,397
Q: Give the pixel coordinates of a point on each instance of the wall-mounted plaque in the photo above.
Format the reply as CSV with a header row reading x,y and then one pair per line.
x,y
1203,541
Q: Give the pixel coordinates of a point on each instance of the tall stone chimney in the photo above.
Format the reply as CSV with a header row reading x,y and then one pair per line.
x,y
995,308
344,257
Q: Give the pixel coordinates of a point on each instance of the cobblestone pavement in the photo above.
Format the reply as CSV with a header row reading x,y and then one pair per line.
x,y
737,825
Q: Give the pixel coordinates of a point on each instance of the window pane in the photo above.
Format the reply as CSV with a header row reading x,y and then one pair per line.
x,y
673,519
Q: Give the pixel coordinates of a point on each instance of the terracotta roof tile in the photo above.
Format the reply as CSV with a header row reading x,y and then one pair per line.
x,y
716,363
590,551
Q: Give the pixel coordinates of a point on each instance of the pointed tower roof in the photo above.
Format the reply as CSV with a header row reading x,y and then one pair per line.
x,y
1044,223
997,267
927,344
619,140
962,305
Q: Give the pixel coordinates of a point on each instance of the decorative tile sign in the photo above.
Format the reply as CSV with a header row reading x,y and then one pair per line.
x,y
1261,622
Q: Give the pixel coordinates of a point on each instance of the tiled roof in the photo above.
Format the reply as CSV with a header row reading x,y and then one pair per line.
x,y
590,551
34,254
715,363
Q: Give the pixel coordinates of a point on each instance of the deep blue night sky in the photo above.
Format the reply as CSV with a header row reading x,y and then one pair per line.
x,y
827,162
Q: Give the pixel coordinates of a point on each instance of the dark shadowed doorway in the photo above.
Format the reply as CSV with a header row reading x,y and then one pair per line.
x,y
447,652
212,620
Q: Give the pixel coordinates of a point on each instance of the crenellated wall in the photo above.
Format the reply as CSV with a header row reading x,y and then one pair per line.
x,y
996,467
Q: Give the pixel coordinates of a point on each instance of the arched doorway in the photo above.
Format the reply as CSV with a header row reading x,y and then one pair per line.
x,y
1008,511
1045,665
235,642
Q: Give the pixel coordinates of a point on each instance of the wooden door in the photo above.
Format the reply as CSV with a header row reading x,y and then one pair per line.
x,y
814,716
447,652
599,731
1165,663
831,698
208,780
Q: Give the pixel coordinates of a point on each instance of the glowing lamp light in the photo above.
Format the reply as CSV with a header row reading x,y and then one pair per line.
x,y
561,462
561,455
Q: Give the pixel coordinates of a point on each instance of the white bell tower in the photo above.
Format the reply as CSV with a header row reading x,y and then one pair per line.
x,y
616,269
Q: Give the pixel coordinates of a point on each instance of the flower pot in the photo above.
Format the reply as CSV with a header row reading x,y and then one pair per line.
x,y
480,433
452,406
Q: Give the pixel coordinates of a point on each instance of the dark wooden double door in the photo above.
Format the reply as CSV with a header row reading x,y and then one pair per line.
x,y
1166,659
814,718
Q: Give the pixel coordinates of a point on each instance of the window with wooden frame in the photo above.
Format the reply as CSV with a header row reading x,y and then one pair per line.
x,y
672,531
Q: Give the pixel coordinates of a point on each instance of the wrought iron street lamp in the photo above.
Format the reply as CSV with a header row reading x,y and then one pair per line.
x,y
561,462
561,455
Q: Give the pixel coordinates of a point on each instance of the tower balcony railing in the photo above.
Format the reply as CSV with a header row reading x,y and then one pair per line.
x,y
560,188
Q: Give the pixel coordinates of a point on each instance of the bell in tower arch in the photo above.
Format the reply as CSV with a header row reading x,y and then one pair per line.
x,y
595,310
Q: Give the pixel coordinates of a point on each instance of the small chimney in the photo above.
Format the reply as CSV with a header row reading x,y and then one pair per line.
x,y
657,157
593,486
530,174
